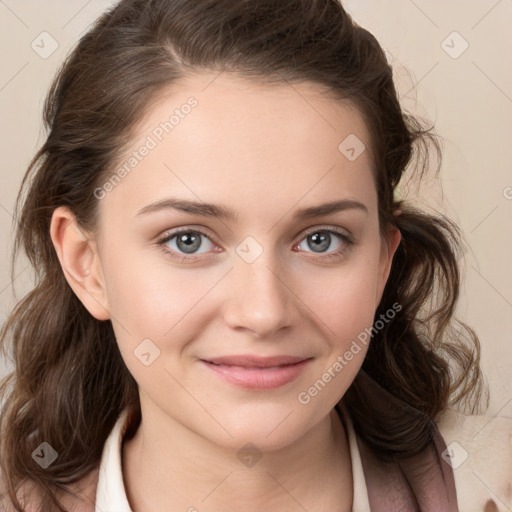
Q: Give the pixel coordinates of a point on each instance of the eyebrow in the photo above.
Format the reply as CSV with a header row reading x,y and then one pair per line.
x,y
226,213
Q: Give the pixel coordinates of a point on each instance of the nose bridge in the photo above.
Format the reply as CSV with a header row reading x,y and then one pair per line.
x,y
260,298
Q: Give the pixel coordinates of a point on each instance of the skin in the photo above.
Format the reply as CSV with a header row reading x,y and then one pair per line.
x,y
265,151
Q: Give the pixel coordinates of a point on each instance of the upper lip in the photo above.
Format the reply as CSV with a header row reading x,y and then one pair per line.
x,y
256,361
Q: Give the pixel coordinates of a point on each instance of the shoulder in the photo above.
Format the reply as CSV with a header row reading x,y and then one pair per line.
x,y
79,496
479,449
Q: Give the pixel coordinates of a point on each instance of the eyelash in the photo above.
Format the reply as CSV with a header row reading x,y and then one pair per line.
x,y
348,241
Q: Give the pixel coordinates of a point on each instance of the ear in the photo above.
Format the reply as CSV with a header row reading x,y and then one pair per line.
x,y
80,262
388,247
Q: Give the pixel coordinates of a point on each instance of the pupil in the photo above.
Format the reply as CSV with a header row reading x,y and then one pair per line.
x,y
188,242
321,241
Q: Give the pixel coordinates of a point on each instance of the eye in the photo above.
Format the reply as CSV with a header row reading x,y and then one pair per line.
x,y
331,241
185,243
188,243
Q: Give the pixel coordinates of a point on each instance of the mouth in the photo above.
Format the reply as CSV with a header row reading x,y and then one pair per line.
x,y
258,373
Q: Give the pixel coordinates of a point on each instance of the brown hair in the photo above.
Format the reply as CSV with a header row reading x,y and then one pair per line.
x,y
70,382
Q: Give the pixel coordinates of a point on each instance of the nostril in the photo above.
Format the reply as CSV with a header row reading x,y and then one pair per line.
x,y
491,506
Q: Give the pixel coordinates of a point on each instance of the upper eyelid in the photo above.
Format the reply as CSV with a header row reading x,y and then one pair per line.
x,y
171,233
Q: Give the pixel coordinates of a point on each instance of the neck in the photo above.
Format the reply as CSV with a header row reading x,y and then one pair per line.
x,y
172,468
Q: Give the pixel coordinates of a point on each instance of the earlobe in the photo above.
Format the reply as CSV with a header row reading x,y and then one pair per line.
x,y
80,262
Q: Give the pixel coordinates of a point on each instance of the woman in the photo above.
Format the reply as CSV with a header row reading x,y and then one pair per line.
x,y
234,308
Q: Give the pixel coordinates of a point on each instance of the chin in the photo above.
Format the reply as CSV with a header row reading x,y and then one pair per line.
x,y
268,428
258,440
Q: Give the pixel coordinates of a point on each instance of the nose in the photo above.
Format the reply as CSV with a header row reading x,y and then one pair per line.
x,y
261,298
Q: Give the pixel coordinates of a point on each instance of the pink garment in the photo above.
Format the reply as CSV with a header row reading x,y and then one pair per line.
x,y
422,483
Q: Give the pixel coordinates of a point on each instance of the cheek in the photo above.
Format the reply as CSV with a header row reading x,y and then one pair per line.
x,y
155,301
149,294
344,299
154,311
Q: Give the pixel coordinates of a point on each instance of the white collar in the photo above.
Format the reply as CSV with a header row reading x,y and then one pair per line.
x,y
111,494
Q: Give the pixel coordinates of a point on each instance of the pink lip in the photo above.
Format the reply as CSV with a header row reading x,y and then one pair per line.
x,y
252,372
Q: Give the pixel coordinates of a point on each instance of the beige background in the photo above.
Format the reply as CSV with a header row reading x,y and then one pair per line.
x,y
469,96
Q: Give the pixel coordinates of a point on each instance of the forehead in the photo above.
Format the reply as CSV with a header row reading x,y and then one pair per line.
x,y
228,103
225,136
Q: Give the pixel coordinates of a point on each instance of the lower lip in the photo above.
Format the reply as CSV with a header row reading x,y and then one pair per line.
x,y
258,378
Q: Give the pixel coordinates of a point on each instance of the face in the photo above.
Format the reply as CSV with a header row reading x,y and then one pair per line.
x,y
238,319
